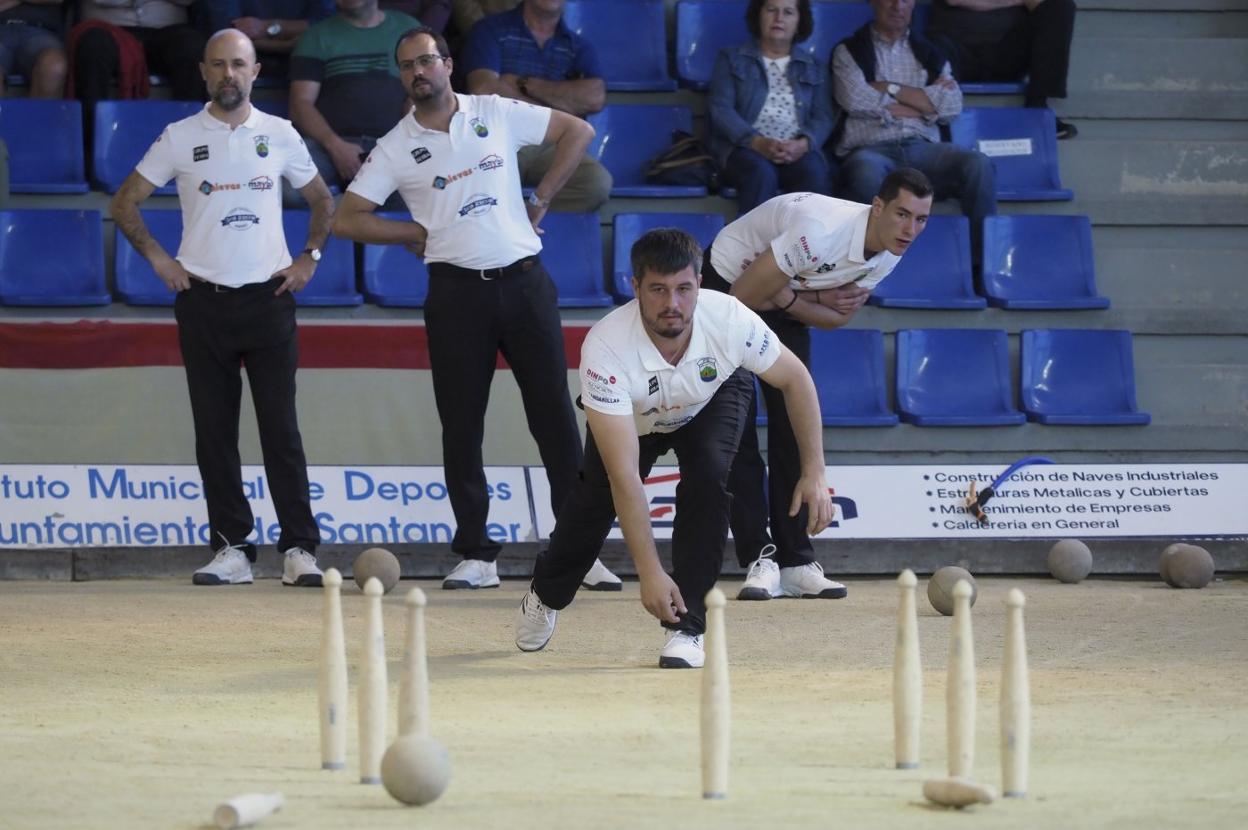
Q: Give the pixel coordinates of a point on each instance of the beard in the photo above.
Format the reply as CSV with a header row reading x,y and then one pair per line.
x,y
228,98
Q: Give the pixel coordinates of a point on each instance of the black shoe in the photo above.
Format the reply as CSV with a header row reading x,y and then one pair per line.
x,y
1065,130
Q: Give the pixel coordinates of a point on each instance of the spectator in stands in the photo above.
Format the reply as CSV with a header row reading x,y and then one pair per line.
x,y
801,260
234,276
896,89
272,25
432,14
30,45
466,13
1009,40
771,107
345,91
530,54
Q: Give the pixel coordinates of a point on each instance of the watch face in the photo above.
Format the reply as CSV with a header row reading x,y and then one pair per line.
x,y
274,30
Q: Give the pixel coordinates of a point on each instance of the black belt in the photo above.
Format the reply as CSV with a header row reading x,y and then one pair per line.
x,y
207,285
517,267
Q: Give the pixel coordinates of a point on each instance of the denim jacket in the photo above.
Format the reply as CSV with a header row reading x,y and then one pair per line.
x,y
739,89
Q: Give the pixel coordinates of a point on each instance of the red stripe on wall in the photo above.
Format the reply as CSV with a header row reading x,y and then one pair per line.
x,y
92,344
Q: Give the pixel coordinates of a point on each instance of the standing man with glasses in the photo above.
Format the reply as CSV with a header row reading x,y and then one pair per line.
x,y
235,304
453,161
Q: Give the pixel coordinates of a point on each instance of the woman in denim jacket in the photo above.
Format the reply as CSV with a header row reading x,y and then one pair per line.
x,y
771,107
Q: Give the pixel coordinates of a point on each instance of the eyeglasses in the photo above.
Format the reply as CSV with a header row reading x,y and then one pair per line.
x,y
423,61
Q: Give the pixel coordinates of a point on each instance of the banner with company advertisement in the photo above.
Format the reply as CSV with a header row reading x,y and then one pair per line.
x,y
137,505
927,502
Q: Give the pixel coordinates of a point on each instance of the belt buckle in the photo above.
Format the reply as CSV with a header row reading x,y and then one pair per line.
x,y
484,273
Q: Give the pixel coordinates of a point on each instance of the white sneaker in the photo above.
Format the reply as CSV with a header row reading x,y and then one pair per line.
x,y
600,578
472,573
228,567
682,651
808,582
762,581
535,623
301,569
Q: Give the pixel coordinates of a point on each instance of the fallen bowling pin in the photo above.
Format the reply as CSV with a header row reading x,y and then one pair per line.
x,y
245,810
957,792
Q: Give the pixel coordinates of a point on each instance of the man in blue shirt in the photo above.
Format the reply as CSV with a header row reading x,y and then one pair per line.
x,y
530,54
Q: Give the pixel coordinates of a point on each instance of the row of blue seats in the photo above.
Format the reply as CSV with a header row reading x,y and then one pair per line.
x,y
631,39
1021,141
961,377
1029,262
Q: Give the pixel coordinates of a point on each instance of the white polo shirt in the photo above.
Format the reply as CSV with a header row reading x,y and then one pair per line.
x,y
817,241
622,372
229,185
462,186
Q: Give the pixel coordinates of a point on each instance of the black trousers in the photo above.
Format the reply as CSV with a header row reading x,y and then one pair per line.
x,y
469,320
705,448
762,491
172,51
1037,46
219,332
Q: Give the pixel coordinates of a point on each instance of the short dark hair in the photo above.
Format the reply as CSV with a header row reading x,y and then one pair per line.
x,y
904,178
439,41
805,19
664,251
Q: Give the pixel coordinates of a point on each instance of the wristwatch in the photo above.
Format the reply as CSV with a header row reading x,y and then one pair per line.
x,y
315,253
892,89
538,201
274,29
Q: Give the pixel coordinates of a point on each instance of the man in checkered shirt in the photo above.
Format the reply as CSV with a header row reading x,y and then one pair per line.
x,y
896,89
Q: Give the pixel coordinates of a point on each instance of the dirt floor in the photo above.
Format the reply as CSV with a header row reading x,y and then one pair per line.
x,y
142,704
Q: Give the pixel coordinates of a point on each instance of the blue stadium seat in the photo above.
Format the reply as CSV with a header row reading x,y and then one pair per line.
x,y
631,41
836,21
627,227
628,136
955,377
123,132
45,145
703,27
51,258
935,272
137,283
1079,376
848,368
1022,143
993,87
333,284
393,275
1036,262
572,254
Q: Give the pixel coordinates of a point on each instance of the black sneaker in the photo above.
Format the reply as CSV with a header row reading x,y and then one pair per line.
x,y
1066,130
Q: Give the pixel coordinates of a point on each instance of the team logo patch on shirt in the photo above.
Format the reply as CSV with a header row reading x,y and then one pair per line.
x,y
478,204
708,369
240,219
262,145
478,127
260,183
421,155
654,384
200,153
490,162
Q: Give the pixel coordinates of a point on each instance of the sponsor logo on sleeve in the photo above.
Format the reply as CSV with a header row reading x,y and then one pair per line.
x,y
478,204
262,145
825,268
766,342
200,153
601,378
490,162
708,369
478,127
260,183
239,219
421,155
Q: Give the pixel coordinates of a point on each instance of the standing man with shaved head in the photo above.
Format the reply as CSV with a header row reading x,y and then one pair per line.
x,y
235,282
